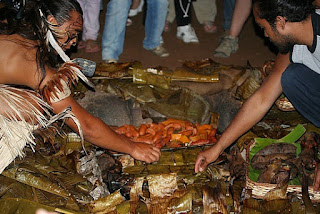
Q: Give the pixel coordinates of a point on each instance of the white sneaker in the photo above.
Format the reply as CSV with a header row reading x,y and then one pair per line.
x,y
186,34
134,12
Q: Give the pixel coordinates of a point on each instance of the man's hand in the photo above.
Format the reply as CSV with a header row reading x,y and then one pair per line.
x,y
316,182
207,156
145,152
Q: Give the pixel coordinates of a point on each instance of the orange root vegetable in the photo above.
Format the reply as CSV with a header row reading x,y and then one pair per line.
x,y
122,129
143,129
171,120
163,142
170,131
212,133
157,136
144,139
176,126
204,127
187,132
151,131
133,130
184,139
200,142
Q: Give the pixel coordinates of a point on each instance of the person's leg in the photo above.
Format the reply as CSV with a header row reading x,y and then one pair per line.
x,y
91,19
183,12
171,12
170,16
229,43
185,32
227,13
240,15
91,25
114,29
205,10
301,86
155,20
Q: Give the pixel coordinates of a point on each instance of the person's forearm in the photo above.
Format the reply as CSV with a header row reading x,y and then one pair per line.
x,y
103,136
94,130
254,109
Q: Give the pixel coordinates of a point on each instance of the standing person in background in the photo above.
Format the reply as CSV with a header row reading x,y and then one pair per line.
x,y
227,14
205,10
293,27
185,31
136,7
229,43
91,11
115,28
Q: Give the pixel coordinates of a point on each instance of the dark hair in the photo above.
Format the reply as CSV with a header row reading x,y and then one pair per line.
x,y
33,26
293,10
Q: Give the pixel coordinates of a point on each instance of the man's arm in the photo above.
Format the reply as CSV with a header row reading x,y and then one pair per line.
x,y
252,111
97,132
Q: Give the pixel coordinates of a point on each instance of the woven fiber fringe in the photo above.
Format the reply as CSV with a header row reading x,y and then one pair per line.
x,y
15,131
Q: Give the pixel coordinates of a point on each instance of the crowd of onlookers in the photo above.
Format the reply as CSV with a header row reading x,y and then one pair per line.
x,y
159,16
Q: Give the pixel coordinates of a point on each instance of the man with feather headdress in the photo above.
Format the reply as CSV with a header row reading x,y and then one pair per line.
x,y
33,82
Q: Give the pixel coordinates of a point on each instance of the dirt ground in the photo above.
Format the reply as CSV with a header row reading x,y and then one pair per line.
x,y
253,46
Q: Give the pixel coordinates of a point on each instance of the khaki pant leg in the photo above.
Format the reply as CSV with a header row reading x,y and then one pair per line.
x,y
171,12
205,10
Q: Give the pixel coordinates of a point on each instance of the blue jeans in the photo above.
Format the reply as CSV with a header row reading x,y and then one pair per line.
x,y
115,26
301,86
227,13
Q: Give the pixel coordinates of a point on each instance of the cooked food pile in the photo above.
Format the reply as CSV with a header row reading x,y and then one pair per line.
x,y
171,133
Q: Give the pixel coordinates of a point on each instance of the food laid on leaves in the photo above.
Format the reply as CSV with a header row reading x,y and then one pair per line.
x,y
276,167
171,133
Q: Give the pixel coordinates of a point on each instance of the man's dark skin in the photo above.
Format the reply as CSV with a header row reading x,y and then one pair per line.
x,y
254,109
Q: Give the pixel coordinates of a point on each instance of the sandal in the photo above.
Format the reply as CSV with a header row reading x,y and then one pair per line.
x,y
92,46
81,44
209,27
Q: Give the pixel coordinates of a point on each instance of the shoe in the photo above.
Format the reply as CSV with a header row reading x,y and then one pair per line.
x,y
186,34
209,27
160,51
109,61
227,46
134,12
91,46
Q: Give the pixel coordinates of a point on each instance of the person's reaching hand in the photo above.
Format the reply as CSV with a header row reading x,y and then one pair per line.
x,y
207,156
145,152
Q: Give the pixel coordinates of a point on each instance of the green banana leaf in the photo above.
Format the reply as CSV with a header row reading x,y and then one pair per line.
x,y
18,205
260,143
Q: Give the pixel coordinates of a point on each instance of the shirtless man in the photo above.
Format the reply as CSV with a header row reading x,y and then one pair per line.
x,y
293,26
31,61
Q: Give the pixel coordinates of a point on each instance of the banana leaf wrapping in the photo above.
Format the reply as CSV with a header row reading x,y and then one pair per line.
x,y
162,185
181,205
250,85
175,102
106,204
158,79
